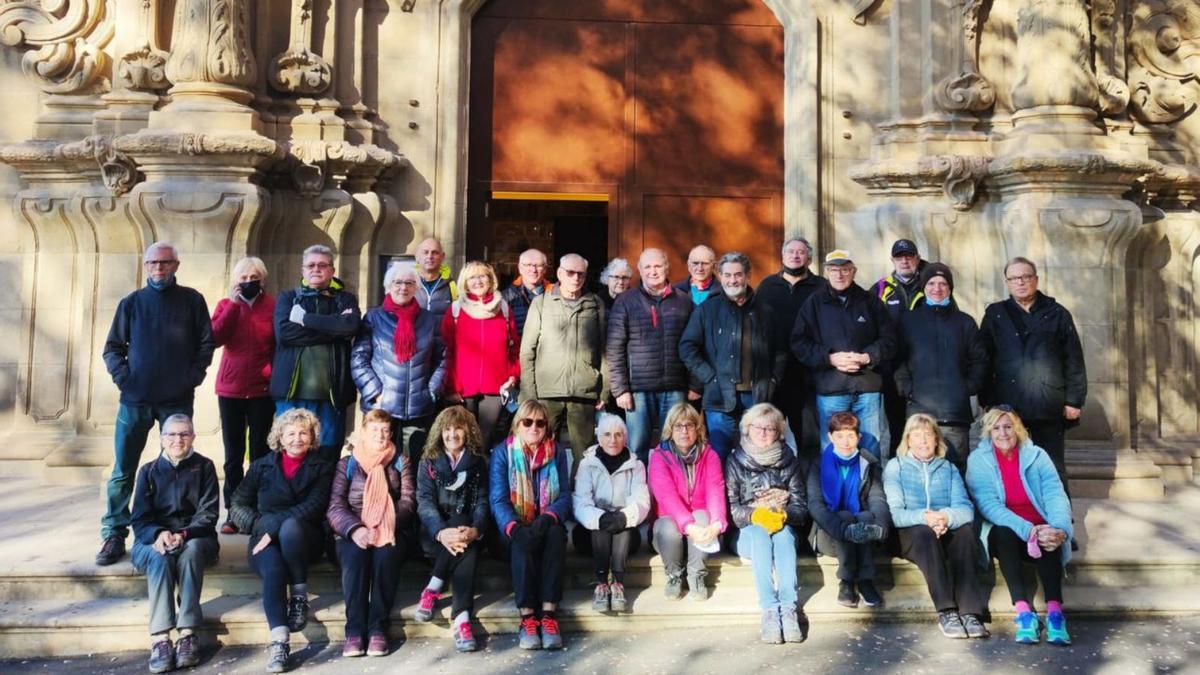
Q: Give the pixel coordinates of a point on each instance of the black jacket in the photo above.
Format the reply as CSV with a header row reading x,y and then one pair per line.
x,y
182,498
824,326
941,362
159,346
643,341
1037,367
871,499
898,295
265,498
437,503
519,299
711,349
744,478
787,299
327,323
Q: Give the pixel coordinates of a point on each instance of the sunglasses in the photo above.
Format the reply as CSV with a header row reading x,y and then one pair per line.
x,y
530,422
1003,407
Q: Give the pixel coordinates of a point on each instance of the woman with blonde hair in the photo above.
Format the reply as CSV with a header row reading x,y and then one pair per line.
x,y
934,518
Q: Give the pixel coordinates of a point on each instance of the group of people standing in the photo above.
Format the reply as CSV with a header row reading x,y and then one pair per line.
x,y
513,419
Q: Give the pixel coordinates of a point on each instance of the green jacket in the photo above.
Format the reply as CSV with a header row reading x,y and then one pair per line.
x,y
562,348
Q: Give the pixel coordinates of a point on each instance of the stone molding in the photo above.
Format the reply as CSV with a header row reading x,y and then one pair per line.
x,y
66,40
957,177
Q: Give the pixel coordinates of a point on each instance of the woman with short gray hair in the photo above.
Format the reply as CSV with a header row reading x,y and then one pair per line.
x,y
615,276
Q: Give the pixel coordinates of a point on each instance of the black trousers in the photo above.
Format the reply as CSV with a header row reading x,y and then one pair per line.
x,y
1010,551
409,436
370,577
894,409
286,561
486,410
856,562
791,396
956,586
609,551
239,415
459,569
537,565
1050,435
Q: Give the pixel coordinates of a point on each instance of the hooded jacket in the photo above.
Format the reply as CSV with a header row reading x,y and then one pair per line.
x,y
643,341
897,295
597,491
745,478
824,326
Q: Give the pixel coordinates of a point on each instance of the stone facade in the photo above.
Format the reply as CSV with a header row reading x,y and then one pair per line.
x,y
1041,128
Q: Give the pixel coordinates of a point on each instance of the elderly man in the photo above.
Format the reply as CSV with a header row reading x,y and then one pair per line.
x,y
175,538
315,326
786,292
730,345
530,284
1037,361
562,355
648,377
897,291
844,334
157,352
700,284
436,289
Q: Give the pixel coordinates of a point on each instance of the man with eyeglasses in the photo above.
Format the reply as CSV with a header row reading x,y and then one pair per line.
x,y
898,290
315,325
701,283
530,284
1037,361
562,355
844,335
158,351
436,290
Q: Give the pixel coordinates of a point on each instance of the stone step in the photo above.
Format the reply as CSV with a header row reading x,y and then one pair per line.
x,y
1116,474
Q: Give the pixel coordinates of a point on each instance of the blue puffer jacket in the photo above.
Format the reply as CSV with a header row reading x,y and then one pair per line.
x,y
405,390
913,486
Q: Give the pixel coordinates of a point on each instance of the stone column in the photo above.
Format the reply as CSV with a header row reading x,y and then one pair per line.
x,y
1056,90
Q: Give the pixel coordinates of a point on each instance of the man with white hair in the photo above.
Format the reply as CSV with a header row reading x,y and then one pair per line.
x,y
530,284
158,350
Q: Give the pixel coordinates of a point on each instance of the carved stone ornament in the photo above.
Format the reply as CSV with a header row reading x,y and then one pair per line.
x,y
408,5
144,69
1164,52
956,176
211,43
67,39
966,90
862,9
1109,46
300,71
1054,56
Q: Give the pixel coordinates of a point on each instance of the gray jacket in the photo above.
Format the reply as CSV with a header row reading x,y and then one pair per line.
x,y
562,348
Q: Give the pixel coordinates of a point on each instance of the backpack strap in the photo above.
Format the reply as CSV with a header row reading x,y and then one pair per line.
x,y
455,310
453,290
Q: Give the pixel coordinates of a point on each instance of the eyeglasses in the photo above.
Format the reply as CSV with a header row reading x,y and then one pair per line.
x,y
573,273
700,263
838,269
531,422
763,428
404,282
536,266
619,277
683,426
178,434
1023,278
318,266
160,263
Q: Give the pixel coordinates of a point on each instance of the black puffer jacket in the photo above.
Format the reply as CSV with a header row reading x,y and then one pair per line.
x,y
745,478
941,362
405,390
871,498
643,341
332,320
266,498
824,326
441,497
1037,367
519,299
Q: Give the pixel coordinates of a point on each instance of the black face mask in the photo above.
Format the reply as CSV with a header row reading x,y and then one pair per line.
x,y
250,289
796,271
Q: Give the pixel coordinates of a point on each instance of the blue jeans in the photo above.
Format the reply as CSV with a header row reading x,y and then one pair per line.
x,y
333,423
864,406
723,433
649,411
167,574
771,555
133,426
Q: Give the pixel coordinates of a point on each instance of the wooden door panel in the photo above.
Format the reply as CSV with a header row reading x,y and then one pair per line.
x,y
751,224
727,12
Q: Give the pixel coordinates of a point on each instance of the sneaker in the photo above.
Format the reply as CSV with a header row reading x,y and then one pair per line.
x,y
551,638
228,527
1056,629
278,655
1028,627
354,646
162,657
674,589
530,639
297,613
790,621
429,598
847,596
697,590
112,550
186,653
771,632
464,639
950,625
377,645
974,625
616,594
600,598
870,594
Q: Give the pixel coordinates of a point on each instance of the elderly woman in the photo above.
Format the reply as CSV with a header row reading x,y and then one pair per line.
x,y
933,515
846,500
243,324
611,500
483,349
281,505
688,485
1026,518
452,501
615,276
766,491
398,357
371,511
531,501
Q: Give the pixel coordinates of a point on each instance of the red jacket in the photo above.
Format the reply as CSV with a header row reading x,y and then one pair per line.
x,y
248,335
480,353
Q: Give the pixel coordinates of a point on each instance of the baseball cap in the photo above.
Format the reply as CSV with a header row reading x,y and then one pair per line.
x,y
904,247
838,256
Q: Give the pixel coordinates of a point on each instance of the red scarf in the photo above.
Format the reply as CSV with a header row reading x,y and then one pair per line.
x,y
404,341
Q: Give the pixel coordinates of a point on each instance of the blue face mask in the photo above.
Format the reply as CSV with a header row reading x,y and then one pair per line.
x,y
944,303
160,285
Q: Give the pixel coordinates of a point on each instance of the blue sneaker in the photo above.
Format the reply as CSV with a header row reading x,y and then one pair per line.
x,y
1056,629
1028,628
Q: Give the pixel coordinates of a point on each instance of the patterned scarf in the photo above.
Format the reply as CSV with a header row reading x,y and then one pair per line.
x,y
531,495
688,459
483,308
404,340
840,479
378,512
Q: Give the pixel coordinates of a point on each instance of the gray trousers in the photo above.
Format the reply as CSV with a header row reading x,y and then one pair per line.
x,y
181,572
670,544
957,445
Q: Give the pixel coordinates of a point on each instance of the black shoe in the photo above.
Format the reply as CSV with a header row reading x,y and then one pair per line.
x,y
974,626
297,613
112,550
186,654
278,654
847,597
950,625
162,657
870,595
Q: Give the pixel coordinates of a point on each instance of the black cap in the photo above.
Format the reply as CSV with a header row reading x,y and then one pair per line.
x,y
904,247
937,269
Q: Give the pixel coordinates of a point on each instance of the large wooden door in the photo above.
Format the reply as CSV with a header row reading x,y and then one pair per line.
x,y
672,109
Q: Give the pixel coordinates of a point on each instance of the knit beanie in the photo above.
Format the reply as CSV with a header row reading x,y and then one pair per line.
x,y
937,269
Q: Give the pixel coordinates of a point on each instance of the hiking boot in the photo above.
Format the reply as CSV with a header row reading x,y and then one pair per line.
x,y
278,656
354,646
616,594
1028,631
551,638
429,598
186,652
974,625
1056,629
697,590
950,625
297,613
847,596
789,619
771,632
162,657
674,589
870,594
112,550
377,645
464,639
530,639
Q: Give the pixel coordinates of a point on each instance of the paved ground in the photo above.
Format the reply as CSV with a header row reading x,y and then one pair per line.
x,y
1167,645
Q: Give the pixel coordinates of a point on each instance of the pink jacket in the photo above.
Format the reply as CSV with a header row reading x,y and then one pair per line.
x,y
668,486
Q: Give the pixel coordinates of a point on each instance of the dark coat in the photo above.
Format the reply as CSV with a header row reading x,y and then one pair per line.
x,y
744,478
897,295
1039,371
711,349
346,497
159,346
787,299
265,498
685,287
405,390
178,499
825,326
871,499
444,293
941,362
437,503
328,323
519,299
643,341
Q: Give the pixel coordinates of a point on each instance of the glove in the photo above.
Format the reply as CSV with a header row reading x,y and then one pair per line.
x,y
541,524
612,521
861,533
768,519
297,315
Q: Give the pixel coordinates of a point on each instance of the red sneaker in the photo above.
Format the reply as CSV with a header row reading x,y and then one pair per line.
x,y
429,598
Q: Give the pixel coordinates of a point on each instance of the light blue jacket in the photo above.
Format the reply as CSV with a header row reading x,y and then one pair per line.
x,y
913,486
1041,482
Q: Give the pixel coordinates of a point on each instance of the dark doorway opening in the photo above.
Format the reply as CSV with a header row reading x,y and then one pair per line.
x,y
556,227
